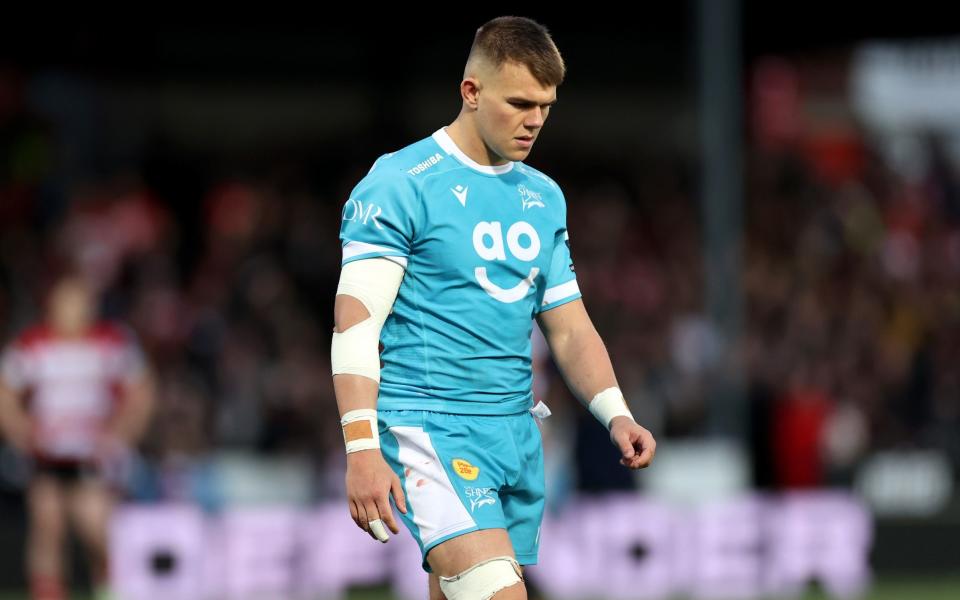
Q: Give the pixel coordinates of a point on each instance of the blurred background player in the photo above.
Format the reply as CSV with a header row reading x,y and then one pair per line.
x,y
75,395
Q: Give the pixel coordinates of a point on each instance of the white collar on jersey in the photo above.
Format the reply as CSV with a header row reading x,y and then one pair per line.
x,y
446,142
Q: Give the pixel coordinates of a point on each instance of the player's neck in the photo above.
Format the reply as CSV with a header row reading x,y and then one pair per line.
x,y
68,331
465,136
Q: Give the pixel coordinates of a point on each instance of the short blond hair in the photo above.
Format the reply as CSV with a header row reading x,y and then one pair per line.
x,y
520,40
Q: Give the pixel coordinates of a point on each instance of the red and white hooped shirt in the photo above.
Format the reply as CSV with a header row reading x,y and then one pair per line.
x,y
72,384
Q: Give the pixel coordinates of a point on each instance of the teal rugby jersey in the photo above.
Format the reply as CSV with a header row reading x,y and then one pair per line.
x,y
485,248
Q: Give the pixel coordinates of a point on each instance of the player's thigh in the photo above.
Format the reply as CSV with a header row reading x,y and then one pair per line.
x,y
46,505
463,551
525,501
516,591
435,592
90,505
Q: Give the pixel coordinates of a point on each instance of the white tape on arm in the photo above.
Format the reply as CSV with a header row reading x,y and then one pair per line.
x,y
360,430
609,404
375,283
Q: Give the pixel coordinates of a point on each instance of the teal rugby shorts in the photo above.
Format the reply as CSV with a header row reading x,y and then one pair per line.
x,y
463,473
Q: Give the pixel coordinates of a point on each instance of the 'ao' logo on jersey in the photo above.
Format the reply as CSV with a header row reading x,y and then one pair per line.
x,y
354,210
522,241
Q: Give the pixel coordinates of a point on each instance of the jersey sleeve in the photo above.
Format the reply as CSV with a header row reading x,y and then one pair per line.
x,y
561,281
380,217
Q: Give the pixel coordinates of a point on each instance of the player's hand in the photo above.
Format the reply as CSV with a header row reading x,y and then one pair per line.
x,y
113,456
369,482
111,446
21,438
636,444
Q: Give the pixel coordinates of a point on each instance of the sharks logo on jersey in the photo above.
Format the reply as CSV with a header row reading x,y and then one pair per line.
x,y
528,198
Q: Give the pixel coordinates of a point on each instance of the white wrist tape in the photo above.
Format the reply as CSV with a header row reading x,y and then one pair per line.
x,y
360,430
375,283
609,404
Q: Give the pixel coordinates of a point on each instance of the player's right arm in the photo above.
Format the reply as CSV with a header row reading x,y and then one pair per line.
x,y
376,233
14,420
366,292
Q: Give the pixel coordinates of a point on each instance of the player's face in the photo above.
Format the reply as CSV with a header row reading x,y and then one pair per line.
x,y
512,110
71,307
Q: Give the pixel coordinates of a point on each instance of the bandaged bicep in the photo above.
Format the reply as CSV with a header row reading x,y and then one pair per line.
x,y
375,283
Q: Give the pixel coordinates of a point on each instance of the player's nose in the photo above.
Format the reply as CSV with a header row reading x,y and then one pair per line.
x,y
535,118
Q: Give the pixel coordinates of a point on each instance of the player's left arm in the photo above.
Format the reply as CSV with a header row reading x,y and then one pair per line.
x,y
137,392
584,363
136,407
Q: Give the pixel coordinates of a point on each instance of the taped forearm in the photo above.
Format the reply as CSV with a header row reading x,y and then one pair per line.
x,y
375,283
354,351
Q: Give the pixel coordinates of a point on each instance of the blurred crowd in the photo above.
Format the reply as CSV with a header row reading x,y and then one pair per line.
x,y
851,308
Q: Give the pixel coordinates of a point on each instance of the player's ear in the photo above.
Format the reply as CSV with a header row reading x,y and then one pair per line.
x,y
470,91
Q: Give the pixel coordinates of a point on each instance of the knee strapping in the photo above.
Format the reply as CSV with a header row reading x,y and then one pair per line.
x,y
482,580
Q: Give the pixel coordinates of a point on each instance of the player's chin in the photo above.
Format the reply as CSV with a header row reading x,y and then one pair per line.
x,y
520,152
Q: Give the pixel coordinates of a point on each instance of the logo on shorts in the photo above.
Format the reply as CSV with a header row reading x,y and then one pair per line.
x,y
465,470
480,497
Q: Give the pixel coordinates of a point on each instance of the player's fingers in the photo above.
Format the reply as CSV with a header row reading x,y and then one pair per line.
x,y
379,531
364,517
645,458
625,446
649,449
353,512
639,461
396,488
370,507
361,515
368,513
386,515
362,520
634,462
